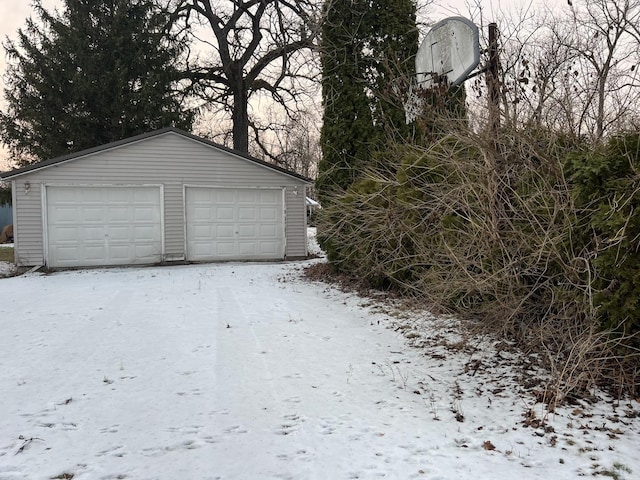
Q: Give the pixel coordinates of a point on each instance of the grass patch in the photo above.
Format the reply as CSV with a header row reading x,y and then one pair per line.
x,y
6,254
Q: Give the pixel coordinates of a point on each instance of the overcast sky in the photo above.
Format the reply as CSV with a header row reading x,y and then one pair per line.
x,y
13,14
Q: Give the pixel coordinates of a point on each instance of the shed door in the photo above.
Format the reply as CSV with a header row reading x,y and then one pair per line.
x,y
234,224
92,226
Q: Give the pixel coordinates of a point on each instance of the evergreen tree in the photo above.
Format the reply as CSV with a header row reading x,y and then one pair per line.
x,y
365,44
392,44
97,72
347,123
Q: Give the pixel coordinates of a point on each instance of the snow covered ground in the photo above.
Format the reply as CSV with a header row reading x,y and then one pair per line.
x,y
248,371
6,268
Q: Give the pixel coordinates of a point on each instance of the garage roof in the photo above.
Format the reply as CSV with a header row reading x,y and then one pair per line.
x,y
73,156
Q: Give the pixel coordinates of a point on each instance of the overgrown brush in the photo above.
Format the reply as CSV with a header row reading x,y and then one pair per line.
x,y
491,231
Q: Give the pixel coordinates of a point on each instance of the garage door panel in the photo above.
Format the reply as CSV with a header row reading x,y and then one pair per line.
x,y
247,197
202,213
268,248
144,252
67,197
223,232
119,252
67,214
88,233
247,248
144,214
145,233
120,234
224,197
105,226
270,197
224,249
89,216
66,234
268,231
268,214
93,253
90,195
203,231
247,213
68,253
247,231
201,196
222,214
241,220
114,214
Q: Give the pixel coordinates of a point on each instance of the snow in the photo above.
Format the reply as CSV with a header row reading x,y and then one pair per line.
x,y
249,371
6,268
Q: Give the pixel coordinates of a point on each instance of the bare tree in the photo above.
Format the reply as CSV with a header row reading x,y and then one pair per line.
x,y
572,68
535,74
250,50
299,146
605,39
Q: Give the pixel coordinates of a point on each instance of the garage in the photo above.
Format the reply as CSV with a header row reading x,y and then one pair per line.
x,y
89,226
234,223
159,197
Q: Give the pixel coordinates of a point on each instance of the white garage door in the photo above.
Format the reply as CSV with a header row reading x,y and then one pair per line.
x,y
234,224
91,226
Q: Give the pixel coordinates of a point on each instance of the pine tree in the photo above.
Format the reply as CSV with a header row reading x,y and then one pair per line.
x,y
97,72
365,44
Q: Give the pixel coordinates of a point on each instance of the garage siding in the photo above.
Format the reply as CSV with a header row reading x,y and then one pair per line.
x,y
169,159
173,222
296,226
28,231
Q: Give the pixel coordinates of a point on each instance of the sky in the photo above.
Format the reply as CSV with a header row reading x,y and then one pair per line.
x,y
13,14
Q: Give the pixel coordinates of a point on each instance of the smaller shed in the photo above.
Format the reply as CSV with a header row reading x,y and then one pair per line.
x,y
163,196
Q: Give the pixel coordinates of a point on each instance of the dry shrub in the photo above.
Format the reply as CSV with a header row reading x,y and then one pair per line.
x,y
484,230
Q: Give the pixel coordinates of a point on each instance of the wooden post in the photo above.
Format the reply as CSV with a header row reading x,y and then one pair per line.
x,y
493,81
493,87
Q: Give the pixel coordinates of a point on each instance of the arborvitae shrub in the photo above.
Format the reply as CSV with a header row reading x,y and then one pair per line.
x,y
606,186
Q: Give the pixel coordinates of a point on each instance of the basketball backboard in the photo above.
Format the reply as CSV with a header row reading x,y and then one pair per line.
x,y
451,49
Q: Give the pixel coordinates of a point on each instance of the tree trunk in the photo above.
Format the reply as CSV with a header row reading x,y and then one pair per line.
x,y
240,119
601,97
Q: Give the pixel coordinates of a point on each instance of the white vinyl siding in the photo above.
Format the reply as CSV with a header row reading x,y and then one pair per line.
x,y
296,227
173,221
168,159
28,227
